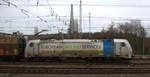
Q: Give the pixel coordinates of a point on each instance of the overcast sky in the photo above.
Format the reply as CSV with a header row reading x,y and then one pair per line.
x,y
53,15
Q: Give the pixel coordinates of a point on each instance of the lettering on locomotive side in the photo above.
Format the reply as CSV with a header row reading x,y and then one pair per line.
x,y
71,46
91,46
50,46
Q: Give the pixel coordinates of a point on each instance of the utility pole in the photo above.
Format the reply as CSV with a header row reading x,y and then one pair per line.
x,y
143,42
62,33
80,25
89,25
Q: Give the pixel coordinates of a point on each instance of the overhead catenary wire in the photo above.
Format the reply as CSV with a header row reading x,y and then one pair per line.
x,y
25,12
84,17
108,5
54,14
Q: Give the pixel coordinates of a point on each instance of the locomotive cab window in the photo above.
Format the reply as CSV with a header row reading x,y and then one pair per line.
x,y
123,44
31,44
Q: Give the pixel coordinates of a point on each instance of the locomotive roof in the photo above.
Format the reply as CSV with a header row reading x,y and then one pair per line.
x,y
67,40
120,40
35,41
75,40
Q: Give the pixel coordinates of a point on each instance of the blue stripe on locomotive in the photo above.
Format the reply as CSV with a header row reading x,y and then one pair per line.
x,y
108,48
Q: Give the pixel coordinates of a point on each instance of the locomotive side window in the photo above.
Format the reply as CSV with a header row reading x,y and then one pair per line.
x,y
123,44
31,44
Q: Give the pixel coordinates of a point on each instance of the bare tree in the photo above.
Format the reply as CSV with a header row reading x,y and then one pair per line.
x,y
133,31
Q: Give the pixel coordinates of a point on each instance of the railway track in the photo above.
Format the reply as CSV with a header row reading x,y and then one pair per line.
x,y
73,68
134,67
76,63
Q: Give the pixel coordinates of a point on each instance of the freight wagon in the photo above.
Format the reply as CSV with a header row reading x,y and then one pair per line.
x,y
11,48
8,47
83,48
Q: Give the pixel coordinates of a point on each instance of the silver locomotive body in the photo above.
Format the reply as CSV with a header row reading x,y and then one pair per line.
x,y
79,48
